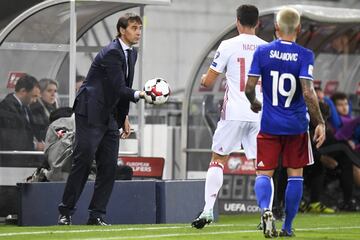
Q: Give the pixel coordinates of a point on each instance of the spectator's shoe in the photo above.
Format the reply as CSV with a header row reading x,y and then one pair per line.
x,y
64,220
284,233
318,207
97,221
206,217
279,214
38,176
269,228
350,206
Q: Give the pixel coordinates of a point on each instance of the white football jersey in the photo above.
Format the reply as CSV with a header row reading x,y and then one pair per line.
x,y
235,55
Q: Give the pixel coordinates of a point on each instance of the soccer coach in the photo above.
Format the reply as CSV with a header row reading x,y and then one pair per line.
x,y
101,108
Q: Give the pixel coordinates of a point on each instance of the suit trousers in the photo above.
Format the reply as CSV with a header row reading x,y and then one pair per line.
x,y
92,142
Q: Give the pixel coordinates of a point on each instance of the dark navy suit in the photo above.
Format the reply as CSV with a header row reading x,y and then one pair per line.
x,y
101,106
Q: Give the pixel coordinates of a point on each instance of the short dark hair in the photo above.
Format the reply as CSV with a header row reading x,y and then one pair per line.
x,y
338,96
247,15
124,21
27,82
60,113
80,78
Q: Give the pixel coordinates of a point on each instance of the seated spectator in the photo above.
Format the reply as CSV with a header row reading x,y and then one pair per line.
x,y
349,128
58,151
342,159
58,147
59,140
16,121
44,106
335,159
314,175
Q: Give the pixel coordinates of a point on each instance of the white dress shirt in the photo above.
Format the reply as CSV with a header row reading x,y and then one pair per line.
x,y
126,47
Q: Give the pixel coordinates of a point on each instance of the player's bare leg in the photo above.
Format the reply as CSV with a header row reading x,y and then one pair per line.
x,y
214,181
264,190
293,196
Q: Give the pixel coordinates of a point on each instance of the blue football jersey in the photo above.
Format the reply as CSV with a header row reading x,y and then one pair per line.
x,y
281,64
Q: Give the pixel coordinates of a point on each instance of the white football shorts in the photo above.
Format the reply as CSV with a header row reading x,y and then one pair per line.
x,y
231,134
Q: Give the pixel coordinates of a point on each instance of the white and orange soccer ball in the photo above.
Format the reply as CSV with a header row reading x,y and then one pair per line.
x,y
157,91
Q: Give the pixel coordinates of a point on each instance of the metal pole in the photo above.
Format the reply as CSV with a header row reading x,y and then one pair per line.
x,y
141,104
72,53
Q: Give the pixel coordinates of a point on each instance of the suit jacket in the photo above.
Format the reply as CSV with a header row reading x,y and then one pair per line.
x,y
106,90
16,131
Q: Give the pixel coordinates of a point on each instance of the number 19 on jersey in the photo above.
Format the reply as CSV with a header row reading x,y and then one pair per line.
x,y
278,83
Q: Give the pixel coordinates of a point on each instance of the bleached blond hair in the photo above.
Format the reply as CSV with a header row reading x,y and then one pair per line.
x,y
288,19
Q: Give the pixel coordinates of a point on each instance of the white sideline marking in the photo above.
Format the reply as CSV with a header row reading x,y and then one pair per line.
x,y
156,236
209,233
104,229
101,229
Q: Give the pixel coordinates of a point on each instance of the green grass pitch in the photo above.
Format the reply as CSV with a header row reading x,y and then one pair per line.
x,y
307,226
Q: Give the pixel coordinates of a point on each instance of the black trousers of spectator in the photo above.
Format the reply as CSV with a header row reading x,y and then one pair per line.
x,y
314,176
92,142
280,183
342,149
342,153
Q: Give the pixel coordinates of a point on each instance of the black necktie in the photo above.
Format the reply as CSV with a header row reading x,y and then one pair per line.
x,y
26,113
129,60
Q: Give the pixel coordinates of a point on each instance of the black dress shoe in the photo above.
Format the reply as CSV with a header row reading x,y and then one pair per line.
x,y
64,220
349,206
97,221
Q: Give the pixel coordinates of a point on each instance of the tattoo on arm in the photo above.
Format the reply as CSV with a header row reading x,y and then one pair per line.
x,y
250,88
311,101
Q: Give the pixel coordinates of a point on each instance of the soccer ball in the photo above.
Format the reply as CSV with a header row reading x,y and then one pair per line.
x,y
234,163
157,91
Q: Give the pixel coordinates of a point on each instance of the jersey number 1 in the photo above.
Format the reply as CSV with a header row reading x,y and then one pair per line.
x,y
241,62
278,86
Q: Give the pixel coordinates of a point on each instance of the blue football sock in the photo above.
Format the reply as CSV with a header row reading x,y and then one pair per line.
x,y
293,194
264,191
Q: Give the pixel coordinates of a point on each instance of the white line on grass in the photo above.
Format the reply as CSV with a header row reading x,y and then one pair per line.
x,y
156,236
101,229
105,229
209,233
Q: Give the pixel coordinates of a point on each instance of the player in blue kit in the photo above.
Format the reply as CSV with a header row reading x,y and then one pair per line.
x,y
286,70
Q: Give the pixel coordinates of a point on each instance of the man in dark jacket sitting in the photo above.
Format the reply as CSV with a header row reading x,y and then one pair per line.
x,y
15,117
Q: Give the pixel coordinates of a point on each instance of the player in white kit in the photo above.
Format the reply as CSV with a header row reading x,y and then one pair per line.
x,y
238,125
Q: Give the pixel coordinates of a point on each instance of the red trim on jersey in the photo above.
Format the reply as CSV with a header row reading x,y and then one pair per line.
x,y
226,97
216,164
